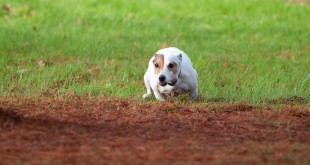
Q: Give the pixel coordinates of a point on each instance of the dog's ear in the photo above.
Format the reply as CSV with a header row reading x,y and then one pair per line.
x,y
180,56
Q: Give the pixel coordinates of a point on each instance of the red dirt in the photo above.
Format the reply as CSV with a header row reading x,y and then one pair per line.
x,y
100,130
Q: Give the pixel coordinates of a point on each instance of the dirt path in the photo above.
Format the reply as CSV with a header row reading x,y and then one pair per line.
x,y
113,131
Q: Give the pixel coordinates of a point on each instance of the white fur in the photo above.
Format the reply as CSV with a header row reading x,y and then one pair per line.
x,y
186,76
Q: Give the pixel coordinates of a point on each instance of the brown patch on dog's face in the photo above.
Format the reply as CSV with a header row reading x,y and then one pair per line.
x,y
158,63
173,67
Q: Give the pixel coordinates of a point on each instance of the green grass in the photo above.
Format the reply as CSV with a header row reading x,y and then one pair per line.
x,y
242,49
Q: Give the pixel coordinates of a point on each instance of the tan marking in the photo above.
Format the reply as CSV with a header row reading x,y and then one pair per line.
x,y
159,60
174,69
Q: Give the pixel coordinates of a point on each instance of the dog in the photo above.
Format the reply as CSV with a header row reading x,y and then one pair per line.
x,y
170,73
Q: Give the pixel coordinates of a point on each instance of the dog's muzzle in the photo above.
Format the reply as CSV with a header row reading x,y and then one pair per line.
x,y
162,81
172,83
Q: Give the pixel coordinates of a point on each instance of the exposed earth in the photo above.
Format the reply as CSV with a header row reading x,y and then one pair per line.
x,y
84,130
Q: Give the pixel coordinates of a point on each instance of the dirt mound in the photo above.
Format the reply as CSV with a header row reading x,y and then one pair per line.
x,y
122,131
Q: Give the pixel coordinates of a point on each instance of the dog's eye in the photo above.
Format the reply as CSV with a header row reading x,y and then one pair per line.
x,y
170,66
156,65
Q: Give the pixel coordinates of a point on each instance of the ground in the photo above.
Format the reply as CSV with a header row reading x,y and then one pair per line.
x,y
105,130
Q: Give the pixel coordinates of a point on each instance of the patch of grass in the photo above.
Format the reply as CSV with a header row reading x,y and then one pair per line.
x,y
243,50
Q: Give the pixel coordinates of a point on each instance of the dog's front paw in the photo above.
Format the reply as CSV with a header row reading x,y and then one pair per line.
x,y
193,95
147,95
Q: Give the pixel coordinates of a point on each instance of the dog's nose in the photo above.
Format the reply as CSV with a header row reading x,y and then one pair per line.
x,y
162,78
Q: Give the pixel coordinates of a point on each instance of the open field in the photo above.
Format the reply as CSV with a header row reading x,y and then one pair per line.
x,y
243,50
71,82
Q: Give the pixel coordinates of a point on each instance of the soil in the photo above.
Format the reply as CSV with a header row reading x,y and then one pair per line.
x,y
84,130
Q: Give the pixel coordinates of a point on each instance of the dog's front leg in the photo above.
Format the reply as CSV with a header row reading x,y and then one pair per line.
x,y
159,96
148,87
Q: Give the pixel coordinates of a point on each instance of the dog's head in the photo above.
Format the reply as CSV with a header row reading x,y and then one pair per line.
x,y
167,68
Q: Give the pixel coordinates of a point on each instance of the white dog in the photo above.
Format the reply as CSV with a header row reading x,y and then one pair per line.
x,y
170,73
